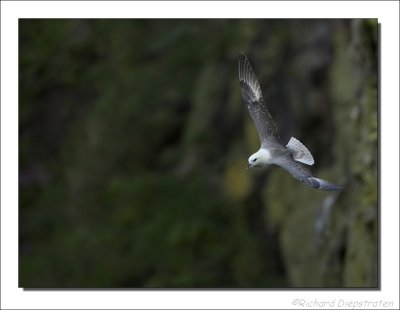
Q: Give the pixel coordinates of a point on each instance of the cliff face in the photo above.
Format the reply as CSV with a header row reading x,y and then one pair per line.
x,y
330,239
134,143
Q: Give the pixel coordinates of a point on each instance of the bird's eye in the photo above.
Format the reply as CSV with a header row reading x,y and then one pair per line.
x,y
254,160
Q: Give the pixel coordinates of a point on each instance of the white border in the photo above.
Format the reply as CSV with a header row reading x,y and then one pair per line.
x,y
15,298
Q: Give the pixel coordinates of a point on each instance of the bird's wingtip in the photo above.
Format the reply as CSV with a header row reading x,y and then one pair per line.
x,y
334,188
322,184
327,186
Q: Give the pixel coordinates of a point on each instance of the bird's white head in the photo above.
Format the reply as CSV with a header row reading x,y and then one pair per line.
x,y
261,158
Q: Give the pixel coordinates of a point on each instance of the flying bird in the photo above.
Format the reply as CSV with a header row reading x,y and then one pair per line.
x,y
292,157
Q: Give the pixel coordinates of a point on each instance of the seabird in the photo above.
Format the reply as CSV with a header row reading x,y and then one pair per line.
x,y
291,157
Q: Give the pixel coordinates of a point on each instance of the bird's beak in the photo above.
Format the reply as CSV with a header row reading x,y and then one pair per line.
x,y
248,166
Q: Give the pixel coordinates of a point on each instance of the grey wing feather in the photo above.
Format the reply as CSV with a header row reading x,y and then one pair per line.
x,y
304,175
251,93
300,152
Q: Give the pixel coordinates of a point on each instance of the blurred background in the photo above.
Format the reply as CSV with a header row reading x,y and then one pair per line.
x,y
133,148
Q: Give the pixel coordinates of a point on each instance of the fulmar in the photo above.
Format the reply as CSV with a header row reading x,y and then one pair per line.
x,y
294,156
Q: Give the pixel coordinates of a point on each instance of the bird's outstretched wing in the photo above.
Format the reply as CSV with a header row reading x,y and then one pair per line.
x,y
301,173
251,93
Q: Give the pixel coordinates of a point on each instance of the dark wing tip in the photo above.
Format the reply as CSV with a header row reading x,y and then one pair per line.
x,y
331,187
243,58
322,184
248,80
245,71
242,63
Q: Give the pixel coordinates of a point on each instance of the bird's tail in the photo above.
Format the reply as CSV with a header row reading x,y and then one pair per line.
x,y
321,184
